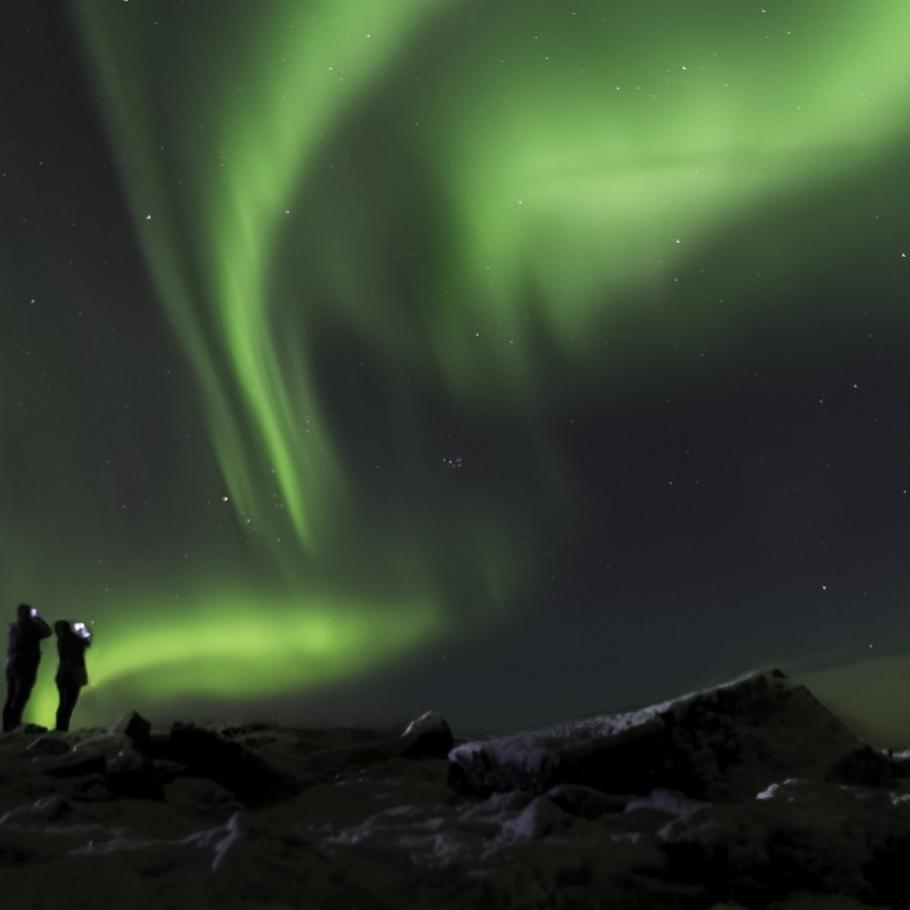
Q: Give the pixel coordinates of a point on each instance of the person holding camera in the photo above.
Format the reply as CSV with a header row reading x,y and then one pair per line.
x,y
72,641
22,659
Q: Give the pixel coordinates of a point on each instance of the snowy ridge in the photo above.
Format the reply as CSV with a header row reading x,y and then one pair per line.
x,y
723,742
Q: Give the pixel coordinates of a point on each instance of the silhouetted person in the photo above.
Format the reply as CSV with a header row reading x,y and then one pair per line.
x,y
71,674
22,659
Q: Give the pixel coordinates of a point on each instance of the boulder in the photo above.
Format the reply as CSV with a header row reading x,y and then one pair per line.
x,y
428,736
136,727
205,753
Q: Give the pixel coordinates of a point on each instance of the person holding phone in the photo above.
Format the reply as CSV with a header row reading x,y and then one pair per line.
x,y
72,641
22,659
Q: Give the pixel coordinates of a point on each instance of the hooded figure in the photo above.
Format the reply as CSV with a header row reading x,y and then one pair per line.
x,y
71,674
22,659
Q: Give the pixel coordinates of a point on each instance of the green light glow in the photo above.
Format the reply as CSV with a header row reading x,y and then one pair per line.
x,y
233,645
292,83
277,159
583,168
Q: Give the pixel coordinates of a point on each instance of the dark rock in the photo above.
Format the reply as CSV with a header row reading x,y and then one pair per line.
x,y
312,742
168,771
116,748
91,789
206,754
260,726
586,802
865,767
74,764
330,764
819,838
135,783
539,819
47,745
159,740
426,737
136,727
429,736
721,744
52,808
125,771
25,730
201,797
900,763
666,803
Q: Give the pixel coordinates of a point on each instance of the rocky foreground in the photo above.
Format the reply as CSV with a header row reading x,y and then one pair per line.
x,y
748,795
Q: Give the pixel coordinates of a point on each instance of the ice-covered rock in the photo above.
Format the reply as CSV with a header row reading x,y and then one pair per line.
x,y
718,744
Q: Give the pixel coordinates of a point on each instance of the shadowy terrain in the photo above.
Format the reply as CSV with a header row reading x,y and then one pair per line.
x,y
750,794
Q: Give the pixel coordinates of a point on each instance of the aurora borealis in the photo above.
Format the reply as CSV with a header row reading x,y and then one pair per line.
x,y
523,358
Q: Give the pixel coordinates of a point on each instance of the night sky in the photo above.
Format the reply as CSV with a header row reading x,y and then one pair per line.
x,y
520,359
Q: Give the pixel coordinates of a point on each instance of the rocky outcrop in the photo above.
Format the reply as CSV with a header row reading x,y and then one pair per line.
x,y
721,744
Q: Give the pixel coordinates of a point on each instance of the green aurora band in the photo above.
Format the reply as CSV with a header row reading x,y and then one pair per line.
x,y
222,649
284,161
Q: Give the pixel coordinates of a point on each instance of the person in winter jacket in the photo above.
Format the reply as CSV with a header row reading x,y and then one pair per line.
x,y
22,659
72,641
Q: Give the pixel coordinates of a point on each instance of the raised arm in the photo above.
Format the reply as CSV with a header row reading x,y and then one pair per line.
x,y
42,628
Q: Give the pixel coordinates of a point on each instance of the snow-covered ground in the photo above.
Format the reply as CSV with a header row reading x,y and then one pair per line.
x,y
747,795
